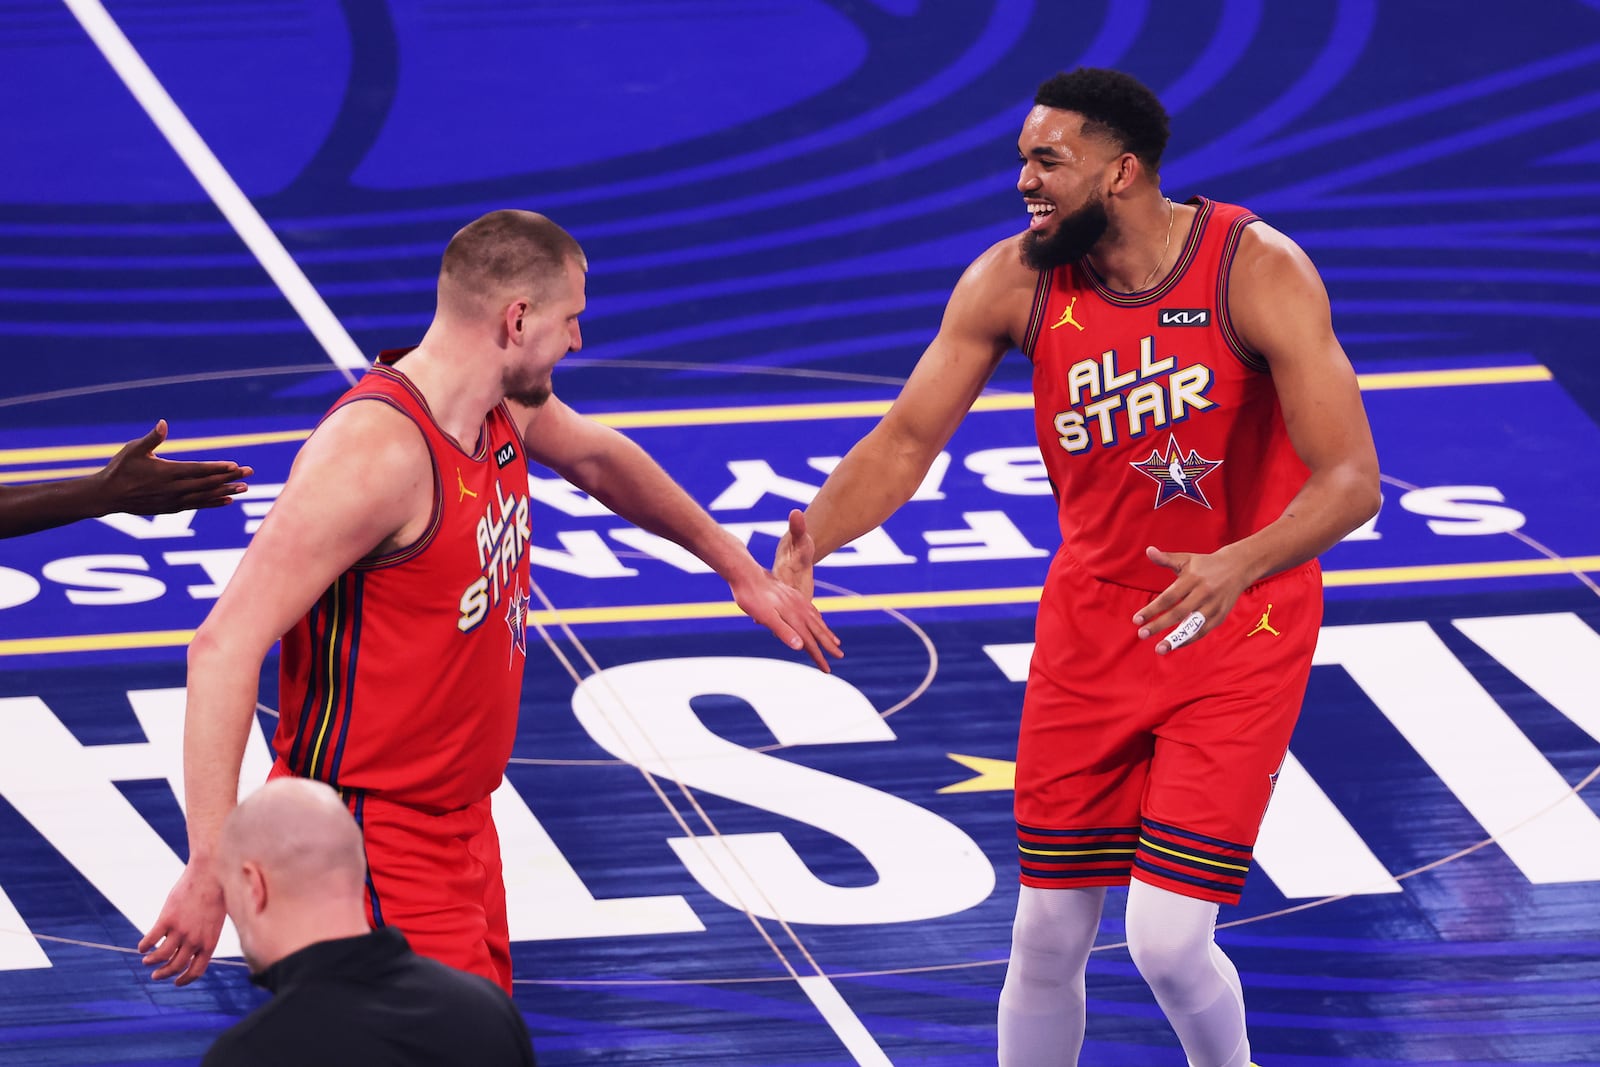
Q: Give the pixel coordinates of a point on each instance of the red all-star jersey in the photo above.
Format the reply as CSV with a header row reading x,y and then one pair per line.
x,y
1156,425
404,679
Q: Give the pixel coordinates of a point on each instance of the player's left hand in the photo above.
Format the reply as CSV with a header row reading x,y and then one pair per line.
x,y
1205,589
791,617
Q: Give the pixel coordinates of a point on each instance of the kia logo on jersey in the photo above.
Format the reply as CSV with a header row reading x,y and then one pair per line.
x,y
1185,317
506,453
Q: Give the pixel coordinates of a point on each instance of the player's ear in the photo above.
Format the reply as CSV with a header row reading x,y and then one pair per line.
x,y
1128,170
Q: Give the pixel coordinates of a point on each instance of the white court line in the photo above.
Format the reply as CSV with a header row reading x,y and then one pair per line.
x,y
219,185
851,1030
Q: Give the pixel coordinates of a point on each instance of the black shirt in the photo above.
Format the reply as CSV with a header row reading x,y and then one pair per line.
x,y
371,1001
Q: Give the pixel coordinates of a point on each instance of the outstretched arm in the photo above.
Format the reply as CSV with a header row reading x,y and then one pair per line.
x,y
612,469
885,467
135,481
331,513
1280,307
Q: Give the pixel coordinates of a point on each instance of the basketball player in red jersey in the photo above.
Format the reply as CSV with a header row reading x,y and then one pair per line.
x,y
394,565
1206,441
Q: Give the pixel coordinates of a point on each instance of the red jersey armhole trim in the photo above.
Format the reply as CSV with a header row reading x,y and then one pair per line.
x,y
1041,300
1230,336
480,450
437,514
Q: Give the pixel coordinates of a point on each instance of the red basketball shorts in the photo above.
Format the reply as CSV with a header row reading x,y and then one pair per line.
x,y
437,879
1134,765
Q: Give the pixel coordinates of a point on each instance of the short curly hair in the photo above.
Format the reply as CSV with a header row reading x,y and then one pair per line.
x,y
1114,105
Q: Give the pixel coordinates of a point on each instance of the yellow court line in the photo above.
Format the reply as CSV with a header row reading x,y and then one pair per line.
x,y
850,409
838,409
950,598
56,454
1446,572
957,598
862,409
12,477
1440,572
32,646
1429,379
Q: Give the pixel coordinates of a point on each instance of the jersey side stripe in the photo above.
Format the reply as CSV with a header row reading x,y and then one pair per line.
x,y
347,711
358,810
328,698
316,619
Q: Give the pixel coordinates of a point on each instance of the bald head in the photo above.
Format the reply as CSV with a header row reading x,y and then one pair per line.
x,y
505,255
299,833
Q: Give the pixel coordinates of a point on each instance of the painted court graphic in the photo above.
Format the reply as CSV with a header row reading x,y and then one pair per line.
x,y
714,853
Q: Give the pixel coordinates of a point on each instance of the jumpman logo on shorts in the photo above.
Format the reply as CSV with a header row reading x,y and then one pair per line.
x,y
1264,625
462,485
1066,317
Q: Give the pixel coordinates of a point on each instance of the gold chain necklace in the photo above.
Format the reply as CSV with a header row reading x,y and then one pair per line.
x,y
1164,248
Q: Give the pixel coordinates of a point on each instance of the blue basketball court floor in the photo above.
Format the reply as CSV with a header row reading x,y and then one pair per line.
x,y
213,212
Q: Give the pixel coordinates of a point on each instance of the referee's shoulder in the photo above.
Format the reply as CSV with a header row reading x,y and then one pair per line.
x,y
238,1045
475,993
467,984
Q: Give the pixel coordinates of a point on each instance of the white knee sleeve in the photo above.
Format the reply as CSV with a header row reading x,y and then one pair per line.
x,y
1042,1002
1170,939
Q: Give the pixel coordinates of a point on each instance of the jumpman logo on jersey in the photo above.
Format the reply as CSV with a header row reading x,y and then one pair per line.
x,y
1264,625
1066,317
462,485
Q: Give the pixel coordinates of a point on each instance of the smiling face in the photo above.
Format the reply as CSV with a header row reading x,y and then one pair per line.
x,y
1066,176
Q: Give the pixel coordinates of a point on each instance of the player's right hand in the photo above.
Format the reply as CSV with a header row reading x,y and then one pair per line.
x,y
139,482
797,556
185,934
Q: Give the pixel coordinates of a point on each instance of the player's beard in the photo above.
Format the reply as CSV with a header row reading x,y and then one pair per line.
x,y
1074,236
531,394
532,398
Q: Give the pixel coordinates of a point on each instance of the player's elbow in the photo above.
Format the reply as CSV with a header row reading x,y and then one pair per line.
x,y
207,651
215,649
909,449
1371,501
202,647
1363,494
